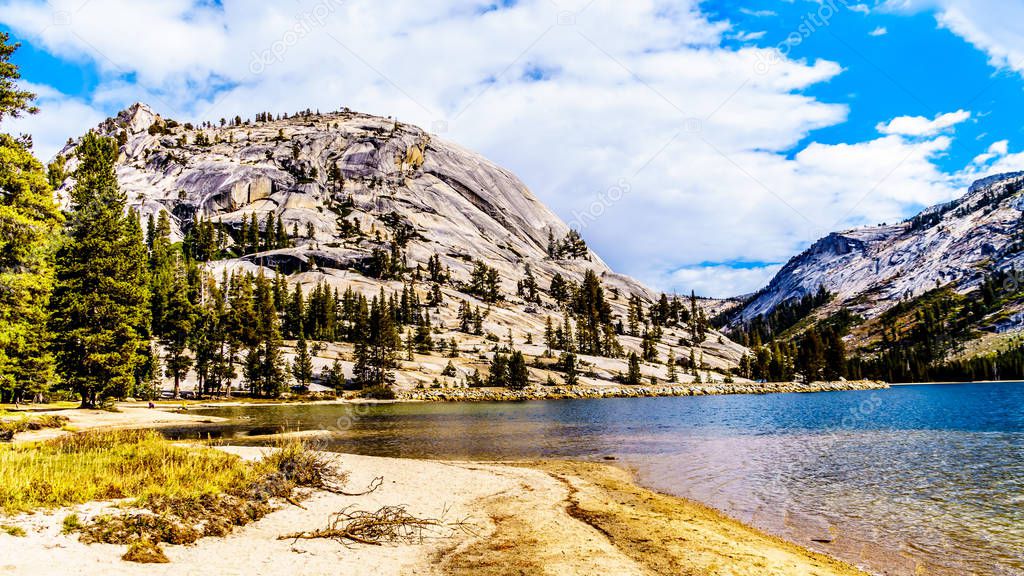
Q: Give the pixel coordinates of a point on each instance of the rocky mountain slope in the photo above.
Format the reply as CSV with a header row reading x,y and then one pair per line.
x,y
348,184
869,270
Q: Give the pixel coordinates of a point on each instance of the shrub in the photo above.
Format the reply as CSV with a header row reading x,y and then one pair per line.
x,y
378,393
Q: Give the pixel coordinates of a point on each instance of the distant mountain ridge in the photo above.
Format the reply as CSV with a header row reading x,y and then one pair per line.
x,y
869,270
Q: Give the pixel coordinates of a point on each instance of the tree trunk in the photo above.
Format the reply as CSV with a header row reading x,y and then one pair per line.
x,y
177,388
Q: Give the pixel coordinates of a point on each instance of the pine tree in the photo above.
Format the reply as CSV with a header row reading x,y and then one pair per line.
x,y
161,265
100,313
178,323
263,369
633,375
375,353
497,377
517,375
333,376
673,376
568,362
13,101
302,367
424,341
29,228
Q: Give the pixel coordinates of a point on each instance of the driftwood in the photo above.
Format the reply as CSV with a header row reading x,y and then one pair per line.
x,y
386,525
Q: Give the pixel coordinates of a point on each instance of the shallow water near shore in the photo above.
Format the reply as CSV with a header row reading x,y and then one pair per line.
x,y
925,479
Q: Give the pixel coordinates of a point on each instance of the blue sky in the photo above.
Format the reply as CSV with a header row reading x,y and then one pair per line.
x,y
697,145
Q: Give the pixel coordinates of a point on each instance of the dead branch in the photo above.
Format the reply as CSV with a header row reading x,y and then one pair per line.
x,y
387,525
374,484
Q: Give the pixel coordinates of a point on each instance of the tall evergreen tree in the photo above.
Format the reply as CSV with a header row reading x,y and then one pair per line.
x,y
178,322
518,377
633,375
100,313
29,225
263,368
375,353
302,366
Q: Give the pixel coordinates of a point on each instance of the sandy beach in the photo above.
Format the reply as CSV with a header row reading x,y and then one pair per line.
x,y
556,518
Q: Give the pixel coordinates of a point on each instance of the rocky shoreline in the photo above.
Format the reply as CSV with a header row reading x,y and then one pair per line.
x,y
581,392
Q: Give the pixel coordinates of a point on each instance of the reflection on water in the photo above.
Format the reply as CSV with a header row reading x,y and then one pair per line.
x,y
912,480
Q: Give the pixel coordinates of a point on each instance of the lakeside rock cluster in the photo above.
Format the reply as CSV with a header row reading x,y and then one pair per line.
x,y
579,392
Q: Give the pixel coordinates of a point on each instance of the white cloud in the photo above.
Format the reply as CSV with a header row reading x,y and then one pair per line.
x,y
758,13
59,118
921,126
749,36
996,150
862,8
574,99
880,31
992,26
721,281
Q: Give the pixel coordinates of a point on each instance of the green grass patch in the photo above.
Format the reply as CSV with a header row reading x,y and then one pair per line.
x,y
110,465
175,494
11,426
12,530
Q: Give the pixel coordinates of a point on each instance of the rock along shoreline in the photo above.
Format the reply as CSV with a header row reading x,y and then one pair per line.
x,y
642,391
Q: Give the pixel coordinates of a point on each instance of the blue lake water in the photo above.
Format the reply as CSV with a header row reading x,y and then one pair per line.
x,y
925,479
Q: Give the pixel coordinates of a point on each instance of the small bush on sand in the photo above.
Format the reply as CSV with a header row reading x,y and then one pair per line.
x,y
71,524
145,551
378,393
12,530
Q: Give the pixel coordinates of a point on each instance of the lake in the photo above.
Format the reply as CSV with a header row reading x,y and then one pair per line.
x,y
923,479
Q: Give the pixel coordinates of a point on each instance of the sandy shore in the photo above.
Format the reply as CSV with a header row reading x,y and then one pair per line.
x,y
556,518
128,416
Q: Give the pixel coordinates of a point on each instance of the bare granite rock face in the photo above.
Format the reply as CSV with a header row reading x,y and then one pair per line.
x,y
322,174
871,269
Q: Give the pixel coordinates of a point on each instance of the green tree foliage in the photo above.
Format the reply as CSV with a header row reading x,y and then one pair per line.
x,y
333,376
633,375
263,367
13,101
484,283
302,366
178,324
162,259
375,353
508,371
518,376
29,225
100,313
570,247
567,362
559,289
527,287
594,331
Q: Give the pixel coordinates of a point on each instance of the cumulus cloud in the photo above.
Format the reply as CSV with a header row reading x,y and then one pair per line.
x,y
992,26
577,98
921,126
723,280
880,31
59,118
